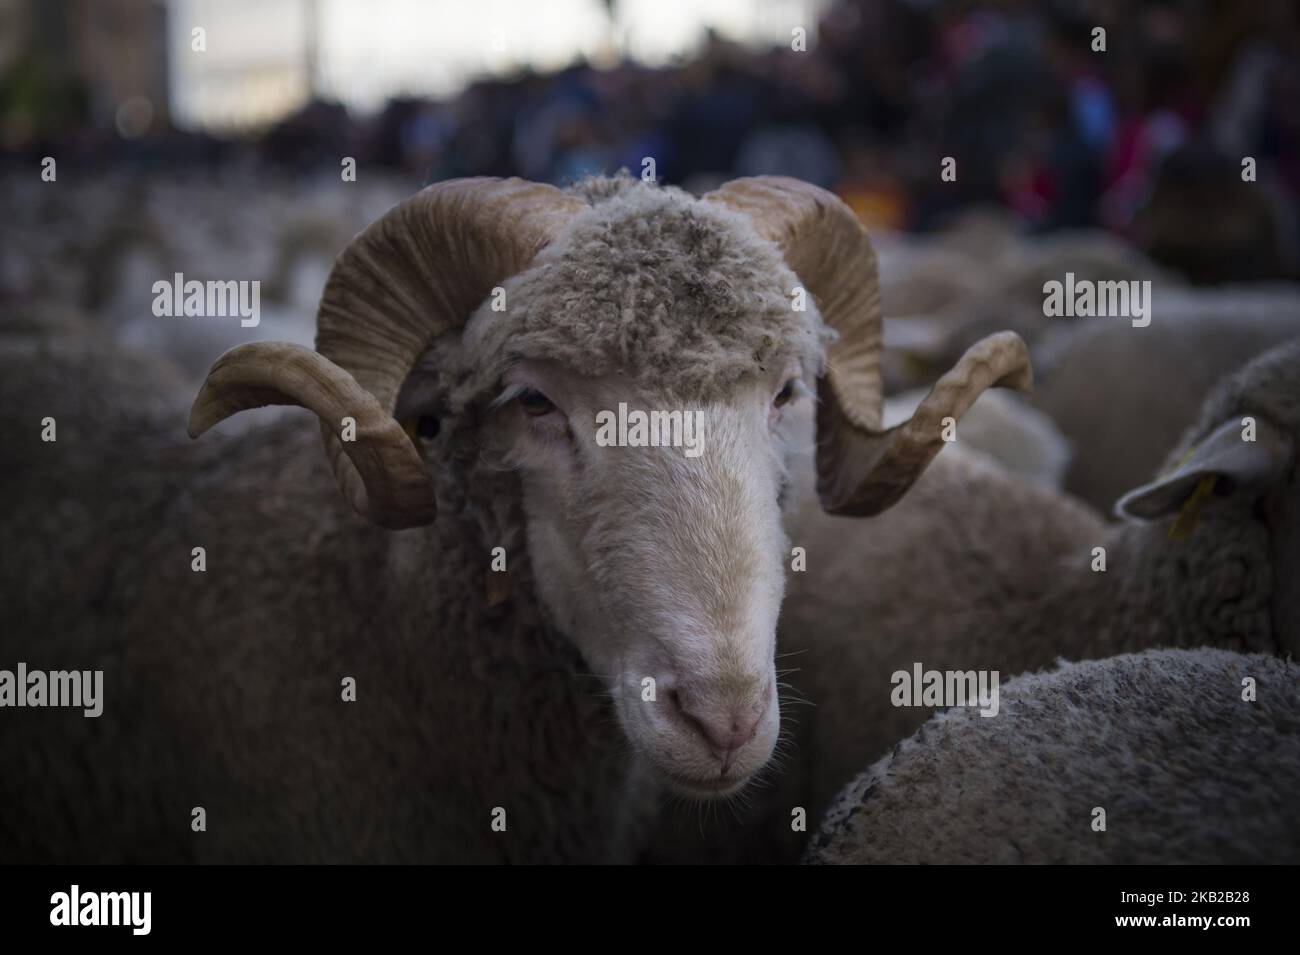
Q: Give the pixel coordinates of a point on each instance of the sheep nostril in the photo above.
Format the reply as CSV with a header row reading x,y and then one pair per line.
x,y
725,730
686,715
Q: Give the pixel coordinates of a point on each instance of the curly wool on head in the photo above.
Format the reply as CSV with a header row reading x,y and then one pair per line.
x,y
652,283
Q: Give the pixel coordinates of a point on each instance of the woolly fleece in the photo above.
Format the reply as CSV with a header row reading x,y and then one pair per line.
x,y
1185,769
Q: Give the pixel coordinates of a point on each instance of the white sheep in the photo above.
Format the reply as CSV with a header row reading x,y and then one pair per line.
x,y
1163,757
584,628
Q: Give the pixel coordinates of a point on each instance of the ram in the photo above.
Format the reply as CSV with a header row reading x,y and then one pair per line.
x,y
1162,757
582,629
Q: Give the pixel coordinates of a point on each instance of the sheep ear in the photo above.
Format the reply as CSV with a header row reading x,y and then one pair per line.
x,y
1225,462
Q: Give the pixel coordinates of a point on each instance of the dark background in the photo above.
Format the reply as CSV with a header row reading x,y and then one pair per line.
x,y
1144,140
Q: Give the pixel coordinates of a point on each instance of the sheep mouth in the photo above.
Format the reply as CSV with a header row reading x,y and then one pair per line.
x,y
705,787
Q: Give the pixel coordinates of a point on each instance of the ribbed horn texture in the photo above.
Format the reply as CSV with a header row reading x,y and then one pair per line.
x,y
825,245
892,460
862,470
413,275
385,479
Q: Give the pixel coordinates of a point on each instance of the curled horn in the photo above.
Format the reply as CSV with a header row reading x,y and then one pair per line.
x,y
862,469
411,276
385,479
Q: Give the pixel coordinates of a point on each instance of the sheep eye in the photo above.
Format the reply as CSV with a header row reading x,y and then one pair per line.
x,y
784,395
427,427
535,404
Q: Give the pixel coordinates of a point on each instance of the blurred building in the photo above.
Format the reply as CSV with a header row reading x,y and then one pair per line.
x,y
241,64
101,64
266,58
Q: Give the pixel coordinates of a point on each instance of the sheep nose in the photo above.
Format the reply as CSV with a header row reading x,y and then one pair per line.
x,y
725,727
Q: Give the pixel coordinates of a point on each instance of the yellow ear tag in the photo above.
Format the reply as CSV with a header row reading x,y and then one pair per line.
x,y
1191,510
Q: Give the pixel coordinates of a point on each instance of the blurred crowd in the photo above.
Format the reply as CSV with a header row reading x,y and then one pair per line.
x,y
1145,138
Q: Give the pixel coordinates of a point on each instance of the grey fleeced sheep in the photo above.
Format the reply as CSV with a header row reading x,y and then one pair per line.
x,y
584,627
1006,430
1155,379
104,242
1119,395
976,570
943,294
1171,756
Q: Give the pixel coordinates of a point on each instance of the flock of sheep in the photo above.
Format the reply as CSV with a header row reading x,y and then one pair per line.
x,y
477,635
